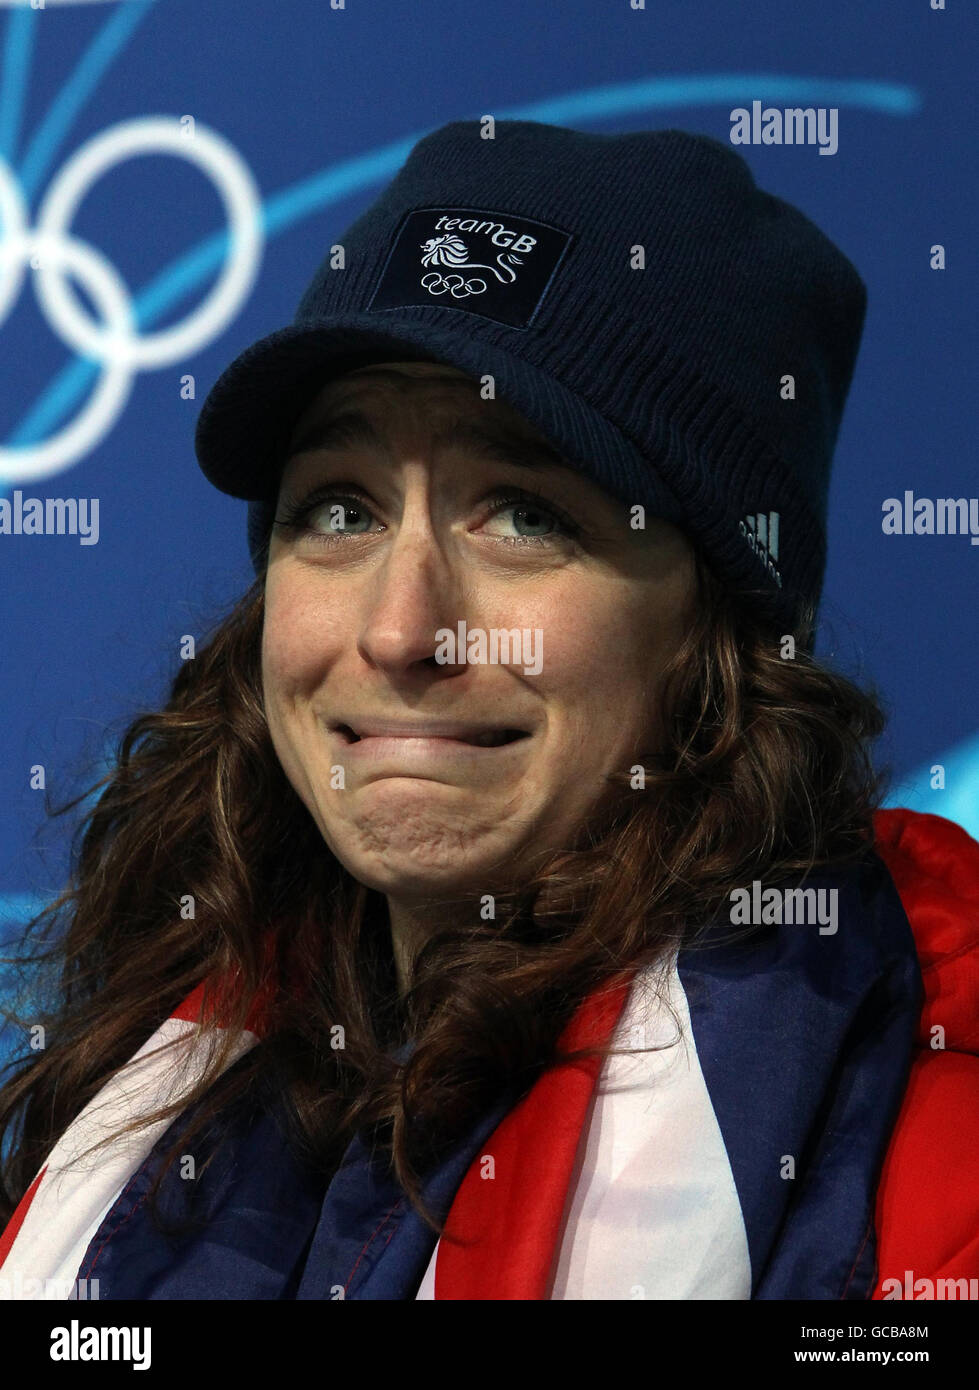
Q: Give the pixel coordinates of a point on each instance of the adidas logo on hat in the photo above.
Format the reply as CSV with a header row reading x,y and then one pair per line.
x,y
760,530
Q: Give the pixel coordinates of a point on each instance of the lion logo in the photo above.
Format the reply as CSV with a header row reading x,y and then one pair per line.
x,y
450,250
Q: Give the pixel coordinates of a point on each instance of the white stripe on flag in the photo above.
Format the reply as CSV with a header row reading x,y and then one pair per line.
x,y
77,1192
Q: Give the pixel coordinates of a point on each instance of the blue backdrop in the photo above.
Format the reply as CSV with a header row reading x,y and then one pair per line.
x,y
301,112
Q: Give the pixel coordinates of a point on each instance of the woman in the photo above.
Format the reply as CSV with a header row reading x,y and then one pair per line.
x,y
508,813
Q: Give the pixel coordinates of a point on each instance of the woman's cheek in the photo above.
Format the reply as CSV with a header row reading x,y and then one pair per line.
x,y
294,639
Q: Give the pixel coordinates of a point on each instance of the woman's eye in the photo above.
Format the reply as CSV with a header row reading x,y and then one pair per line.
x,y
327,515
334,515
346,516
532,520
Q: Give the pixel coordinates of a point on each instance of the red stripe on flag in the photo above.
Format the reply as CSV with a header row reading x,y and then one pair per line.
x,y
501,1234
17,1220
190,1010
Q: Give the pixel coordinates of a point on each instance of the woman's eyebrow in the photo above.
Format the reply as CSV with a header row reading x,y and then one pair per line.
x,y
499,443
493,441
352,427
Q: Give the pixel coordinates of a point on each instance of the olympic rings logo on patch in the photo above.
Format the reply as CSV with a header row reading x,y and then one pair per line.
x,y
53,254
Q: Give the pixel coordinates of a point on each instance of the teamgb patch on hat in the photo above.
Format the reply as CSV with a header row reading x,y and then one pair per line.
x,y
487,263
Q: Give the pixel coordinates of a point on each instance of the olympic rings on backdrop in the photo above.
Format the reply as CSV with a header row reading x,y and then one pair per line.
x,y
104,406
50,251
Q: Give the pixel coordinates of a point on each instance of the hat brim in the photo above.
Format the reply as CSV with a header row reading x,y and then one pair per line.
x,y
247,417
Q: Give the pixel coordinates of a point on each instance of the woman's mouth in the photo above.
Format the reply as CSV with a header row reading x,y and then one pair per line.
x,y
428,749
472,735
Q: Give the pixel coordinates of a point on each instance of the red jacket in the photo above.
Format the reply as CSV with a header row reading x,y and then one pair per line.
x,y
927,1211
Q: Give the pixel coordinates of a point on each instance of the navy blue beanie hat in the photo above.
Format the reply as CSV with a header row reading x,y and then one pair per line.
x,y
635,296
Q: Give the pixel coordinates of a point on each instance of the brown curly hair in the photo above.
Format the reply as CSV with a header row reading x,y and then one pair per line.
x,y
765,770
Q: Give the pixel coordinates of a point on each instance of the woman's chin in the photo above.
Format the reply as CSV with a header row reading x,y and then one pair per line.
x,y
409,879
412,862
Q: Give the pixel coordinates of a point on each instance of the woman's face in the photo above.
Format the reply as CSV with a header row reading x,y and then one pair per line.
x,y
434,531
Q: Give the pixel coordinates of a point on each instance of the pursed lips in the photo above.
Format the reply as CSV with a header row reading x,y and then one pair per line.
x,y
420,732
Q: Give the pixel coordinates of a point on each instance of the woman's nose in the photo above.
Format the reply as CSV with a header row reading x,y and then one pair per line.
x,y
412,593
